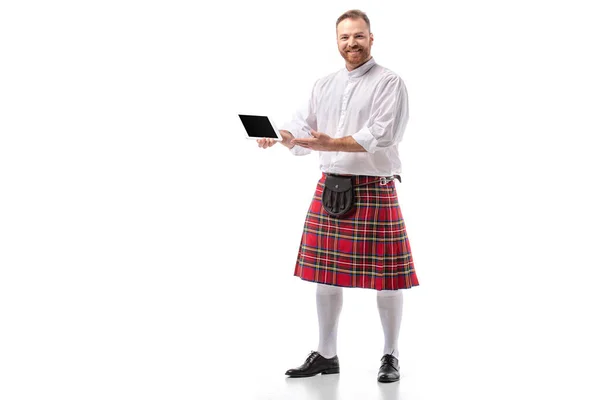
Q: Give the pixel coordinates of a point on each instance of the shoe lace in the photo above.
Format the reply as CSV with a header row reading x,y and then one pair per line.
x,y
311,357
388,359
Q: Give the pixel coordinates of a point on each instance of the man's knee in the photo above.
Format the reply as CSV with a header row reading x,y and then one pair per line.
x,y
328,289
389,293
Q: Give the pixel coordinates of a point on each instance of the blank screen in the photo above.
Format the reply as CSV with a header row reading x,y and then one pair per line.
x,y
258,126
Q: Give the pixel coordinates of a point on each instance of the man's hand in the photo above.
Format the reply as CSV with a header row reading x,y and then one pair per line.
x,y
265,143
319,141
323,142
285,135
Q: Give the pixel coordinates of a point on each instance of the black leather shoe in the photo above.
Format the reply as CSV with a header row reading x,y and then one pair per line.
x,y
389,370
315,364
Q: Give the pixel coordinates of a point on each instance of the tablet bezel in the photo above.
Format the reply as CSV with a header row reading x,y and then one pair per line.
x,y
279,138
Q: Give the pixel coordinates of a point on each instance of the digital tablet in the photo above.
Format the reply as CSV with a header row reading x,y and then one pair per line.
x,y
260,127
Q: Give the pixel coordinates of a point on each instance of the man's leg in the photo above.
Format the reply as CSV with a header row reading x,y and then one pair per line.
x,y
389,304
324,360
329,307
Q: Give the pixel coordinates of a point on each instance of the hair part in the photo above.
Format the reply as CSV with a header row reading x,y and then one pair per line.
x,y
354,14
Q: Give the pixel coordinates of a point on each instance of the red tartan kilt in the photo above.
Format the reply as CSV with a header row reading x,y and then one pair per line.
x,y
368,248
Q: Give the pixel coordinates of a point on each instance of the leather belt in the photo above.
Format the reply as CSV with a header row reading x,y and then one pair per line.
x,y
383,180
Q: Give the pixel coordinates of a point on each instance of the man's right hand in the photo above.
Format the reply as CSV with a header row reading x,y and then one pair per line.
x,y
265,143
285,135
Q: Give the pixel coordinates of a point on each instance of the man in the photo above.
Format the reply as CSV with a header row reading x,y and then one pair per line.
x,y
355,118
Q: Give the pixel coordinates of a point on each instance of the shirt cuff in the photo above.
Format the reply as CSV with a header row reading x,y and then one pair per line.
x,y
296,150
365,138
299,151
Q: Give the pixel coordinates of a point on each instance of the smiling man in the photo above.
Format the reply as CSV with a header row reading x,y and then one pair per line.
x,y
354,233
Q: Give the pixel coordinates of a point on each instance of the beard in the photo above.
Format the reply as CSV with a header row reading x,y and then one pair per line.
x,y
355,58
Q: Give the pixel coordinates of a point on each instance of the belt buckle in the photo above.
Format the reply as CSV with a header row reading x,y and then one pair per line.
x,y
384,180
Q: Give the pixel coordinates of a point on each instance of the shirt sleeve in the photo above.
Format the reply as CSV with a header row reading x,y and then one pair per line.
x,y
302,122
389,115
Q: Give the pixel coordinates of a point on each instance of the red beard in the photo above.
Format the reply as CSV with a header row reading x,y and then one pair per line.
x,y
357,58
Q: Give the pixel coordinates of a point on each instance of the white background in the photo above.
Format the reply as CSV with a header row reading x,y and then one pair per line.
x,y
147,248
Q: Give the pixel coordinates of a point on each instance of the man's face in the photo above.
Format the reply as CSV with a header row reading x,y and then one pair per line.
x,y
354,41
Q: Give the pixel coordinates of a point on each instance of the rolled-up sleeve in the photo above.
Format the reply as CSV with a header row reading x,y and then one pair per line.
x,y
389,115
302,122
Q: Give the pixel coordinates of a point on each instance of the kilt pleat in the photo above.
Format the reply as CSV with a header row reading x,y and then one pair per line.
x,y
368,248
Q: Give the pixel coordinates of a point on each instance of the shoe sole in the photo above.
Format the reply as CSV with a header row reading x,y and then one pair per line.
x,y
331,371
325,372
387,380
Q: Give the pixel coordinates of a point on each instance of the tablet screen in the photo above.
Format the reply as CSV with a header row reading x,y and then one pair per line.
x,y
258,126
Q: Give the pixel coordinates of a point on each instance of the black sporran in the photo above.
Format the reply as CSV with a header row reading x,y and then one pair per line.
x,y
338,195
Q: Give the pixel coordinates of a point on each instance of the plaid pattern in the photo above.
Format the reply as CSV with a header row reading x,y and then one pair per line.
x,y
368,248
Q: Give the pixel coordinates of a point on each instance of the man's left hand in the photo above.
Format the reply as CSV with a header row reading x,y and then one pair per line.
x,y
319,141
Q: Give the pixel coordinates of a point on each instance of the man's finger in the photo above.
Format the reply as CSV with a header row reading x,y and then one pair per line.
x,y
313,133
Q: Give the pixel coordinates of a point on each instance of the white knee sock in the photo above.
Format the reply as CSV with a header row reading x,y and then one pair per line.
x,y
329,306
389,304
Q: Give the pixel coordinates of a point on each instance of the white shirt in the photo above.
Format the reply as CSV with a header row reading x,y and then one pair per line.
x,y
370,103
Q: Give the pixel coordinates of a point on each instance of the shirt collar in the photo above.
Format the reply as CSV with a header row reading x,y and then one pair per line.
x,y
360,71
